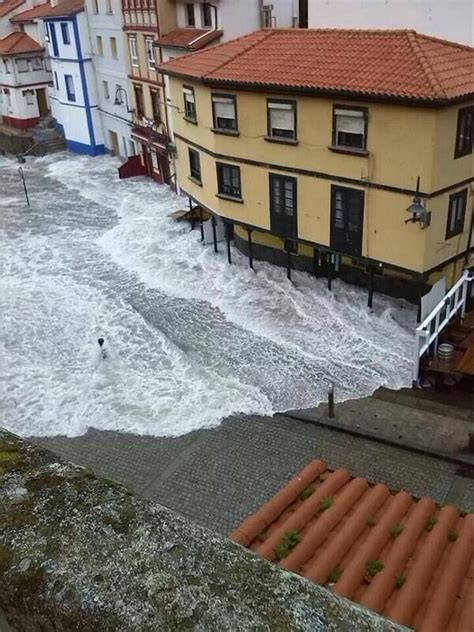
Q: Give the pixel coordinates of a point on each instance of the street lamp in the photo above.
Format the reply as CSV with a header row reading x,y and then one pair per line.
x,y
417,210
118,100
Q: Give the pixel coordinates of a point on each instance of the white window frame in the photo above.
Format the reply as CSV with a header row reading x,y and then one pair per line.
x,y
18,61
133,48
105,88
114,54
99,42
350,121
189,97
281,120
70,92
150,53
224,108
29,97
6,64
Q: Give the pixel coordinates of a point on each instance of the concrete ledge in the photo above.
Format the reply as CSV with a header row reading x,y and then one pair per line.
x,y
82,553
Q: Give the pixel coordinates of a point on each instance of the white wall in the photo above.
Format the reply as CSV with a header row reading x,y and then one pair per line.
x,y
447,19
17,82
114,118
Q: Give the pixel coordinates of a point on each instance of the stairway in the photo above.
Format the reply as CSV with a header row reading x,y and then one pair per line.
x,y
48,137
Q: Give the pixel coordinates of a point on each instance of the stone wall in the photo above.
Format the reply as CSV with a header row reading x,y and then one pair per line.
x,y
82,553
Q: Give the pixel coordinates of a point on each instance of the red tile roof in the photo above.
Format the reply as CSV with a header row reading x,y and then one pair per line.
x,y
30,14
189,39
378,63
407,559
8,5
64,8
17,43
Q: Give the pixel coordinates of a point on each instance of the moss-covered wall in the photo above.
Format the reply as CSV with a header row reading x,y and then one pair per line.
x,y
82,553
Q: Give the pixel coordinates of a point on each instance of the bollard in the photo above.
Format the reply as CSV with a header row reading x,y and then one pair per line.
x,y
331,401
22,176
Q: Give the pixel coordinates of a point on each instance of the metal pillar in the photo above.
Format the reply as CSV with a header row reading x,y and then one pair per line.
x,y
249,232
201,223
315,262
288,261
22,176
421,287
227,236
371,287
214,233
191,213
329,265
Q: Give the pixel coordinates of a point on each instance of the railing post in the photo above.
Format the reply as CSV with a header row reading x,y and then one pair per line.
x,y
416,361
465,285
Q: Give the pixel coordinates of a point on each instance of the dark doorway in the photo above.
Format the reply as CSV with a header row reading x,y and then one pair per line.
x,y
347,220
283,206
303,14
42,102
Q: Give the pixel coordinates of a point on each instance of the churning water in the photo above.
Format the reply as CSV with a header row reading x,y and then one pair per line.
x,y
191,339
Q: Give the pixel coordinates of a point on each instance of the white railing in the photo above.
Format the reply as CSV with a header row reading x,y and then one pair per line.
x,y
427,333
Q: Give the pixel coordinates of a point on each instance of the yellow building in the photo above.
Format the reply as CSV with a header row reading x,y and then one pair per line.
x,y
312,144
144,22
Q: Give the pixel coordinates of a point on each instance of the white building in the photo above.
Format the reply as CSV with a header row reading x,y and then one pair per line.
x,y
74,96
447,19
110,66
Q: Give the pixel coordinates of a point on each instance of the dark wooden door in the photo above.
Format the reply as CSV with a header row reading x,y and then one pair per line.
x,y
347,220
283,206
41,100
303,14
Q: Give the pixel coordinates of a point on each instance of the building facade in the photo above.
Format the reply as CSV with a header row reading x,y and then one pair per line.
x,y
448,19
73,96
313,163
111,74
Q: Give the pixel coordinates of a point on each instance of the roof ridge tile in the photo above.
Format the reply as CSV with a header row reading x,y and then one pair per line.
x,y
428,70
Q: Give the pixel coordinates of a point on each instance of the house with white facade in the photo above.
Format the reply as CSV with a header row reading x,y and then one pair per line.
x,y
74,96
452,20
110,65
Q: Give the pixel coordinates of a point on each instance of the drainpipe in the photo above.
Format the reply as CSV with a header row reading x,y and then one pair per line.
x,y
213,6
295,14
469,239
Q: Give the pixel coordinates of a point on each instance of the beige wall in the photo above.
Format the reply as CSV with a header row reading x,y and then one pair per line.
x,y
403,143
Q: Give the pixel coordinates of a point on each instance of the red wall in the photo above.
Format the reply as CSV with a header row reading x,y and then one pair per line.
x,y
20,123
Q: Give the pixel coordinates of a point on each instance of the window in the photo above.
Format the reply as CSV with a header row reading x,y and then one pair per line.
x,y
206,15
456,213
224,112
47,64
56,82
189,104
194,165
105,88
132,43
37,63
190,19
108,6
8,96
464,133
29,96
228,181
113,47
155,105
54,39
281,116
349,128
95,6
118,94
138,90
150,53
283,209
267,18
22,65
6,64
65,33
70,91
100,46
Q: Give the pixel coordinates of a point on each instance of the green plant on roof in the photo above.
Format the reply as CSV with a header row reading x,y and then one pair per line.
x,y
288,542
262,536
325,503
431,523
371,521
306,493
399,581
395,530
334,576
373,567
452,536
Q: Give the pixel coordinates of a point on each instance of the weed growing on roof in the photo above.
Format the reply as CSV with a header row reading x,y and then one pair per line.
x,y
399,581
373,567
262,536
334,576
306,493
452,536
288,542
395,530
371,521
431,523
325,503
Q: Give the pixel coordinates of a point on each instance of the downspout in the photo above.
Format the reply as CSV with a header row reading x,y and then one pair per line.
x,y
295,14
469,239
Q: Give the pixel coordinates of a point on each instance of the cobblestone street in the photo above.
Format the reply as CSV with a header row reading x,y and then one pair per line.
x,y
217,477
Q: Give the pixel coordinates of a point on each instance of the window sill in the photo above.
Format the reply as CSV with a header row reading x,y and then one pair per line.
x,y
190,120
462,155
451,235
230,198
348,150
195,181
225,132
284,141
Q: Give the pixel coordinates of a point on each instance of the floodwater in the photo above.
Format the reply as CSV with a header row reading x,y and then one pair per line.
x,y
190,338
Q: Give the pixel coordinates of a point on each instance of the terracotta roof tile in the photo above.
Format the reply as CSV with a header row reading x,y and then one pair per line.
x,y
17,43
65,7
387,63
189,38
8,5
30,14
406,559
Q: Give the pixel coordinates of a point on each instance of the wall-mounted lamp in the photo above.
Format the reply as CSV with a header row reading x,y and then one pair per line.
x,y
118,100
417,210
